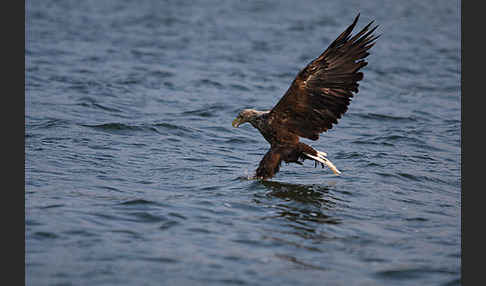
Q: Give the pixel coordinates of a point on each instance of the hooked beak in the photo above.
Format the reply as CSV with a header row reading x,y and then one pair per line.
x,y
236,122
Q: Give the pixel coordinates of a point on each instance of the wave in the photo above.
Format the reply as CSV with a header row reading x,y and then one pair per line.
x,y
121,128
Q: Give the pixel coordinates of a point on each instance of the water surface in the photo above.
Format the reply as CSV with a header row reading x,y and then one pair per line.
x,y
135,176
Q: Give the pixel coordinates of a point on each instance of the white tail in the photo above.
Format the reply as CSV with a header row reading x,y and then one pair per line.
x,y
321,157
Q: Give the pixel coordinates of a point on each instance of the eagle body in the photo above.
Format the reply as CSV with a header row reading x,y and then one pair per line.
x,y
316,99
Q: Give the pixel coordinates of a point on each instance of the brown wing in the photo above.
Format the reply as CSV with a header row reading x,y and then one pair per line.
x,y
322,91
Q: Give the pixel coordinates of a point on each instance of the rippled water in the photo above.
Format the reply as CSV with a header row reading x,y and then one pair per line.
x,y
134,175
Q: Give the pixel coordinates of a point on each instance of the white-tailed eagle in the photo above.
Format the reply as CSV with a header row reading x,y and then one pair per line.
x,y
316,99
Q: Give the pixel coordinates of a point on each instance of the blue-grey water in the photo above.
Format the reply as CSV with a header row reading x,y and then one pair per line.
x,y
135,176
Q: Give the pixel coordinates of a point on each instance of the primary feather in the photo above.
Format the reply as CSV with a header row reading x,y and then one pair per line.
x,y
322,91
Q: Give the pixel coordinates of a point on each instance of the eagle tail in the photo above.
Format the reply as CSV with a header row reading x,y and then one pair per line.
x,y
321,157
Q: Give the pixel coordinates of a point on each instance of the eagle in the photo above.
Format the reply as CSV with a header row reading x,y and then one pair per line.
x,y
316,99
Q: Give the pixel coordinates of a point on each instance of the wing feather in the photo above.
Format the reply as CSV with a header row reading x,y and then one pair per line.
x,y
322,91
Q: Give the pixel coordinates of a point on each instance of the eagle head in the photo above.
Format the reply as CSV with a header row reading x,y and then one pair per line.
x,y
246,115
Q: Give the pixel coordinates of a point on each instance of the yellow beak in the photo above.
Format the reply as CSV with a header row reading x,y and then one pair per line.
x,y
236,122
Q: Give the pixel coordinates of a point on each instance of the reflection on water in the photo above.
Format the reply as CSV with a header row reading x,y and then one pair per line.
x,y
305,206
301,218
317,195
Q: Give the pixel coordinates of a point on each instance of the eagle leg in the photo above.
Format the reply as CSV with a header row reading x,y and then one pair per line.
x,y
270,164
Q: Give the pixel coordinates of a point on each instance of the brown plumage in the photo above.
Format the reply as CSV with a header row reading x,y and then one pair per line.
x,y
316,99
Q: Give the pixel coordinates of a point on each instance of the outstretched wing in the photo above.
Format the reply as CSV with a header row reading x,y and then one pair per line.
x,y
322,91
